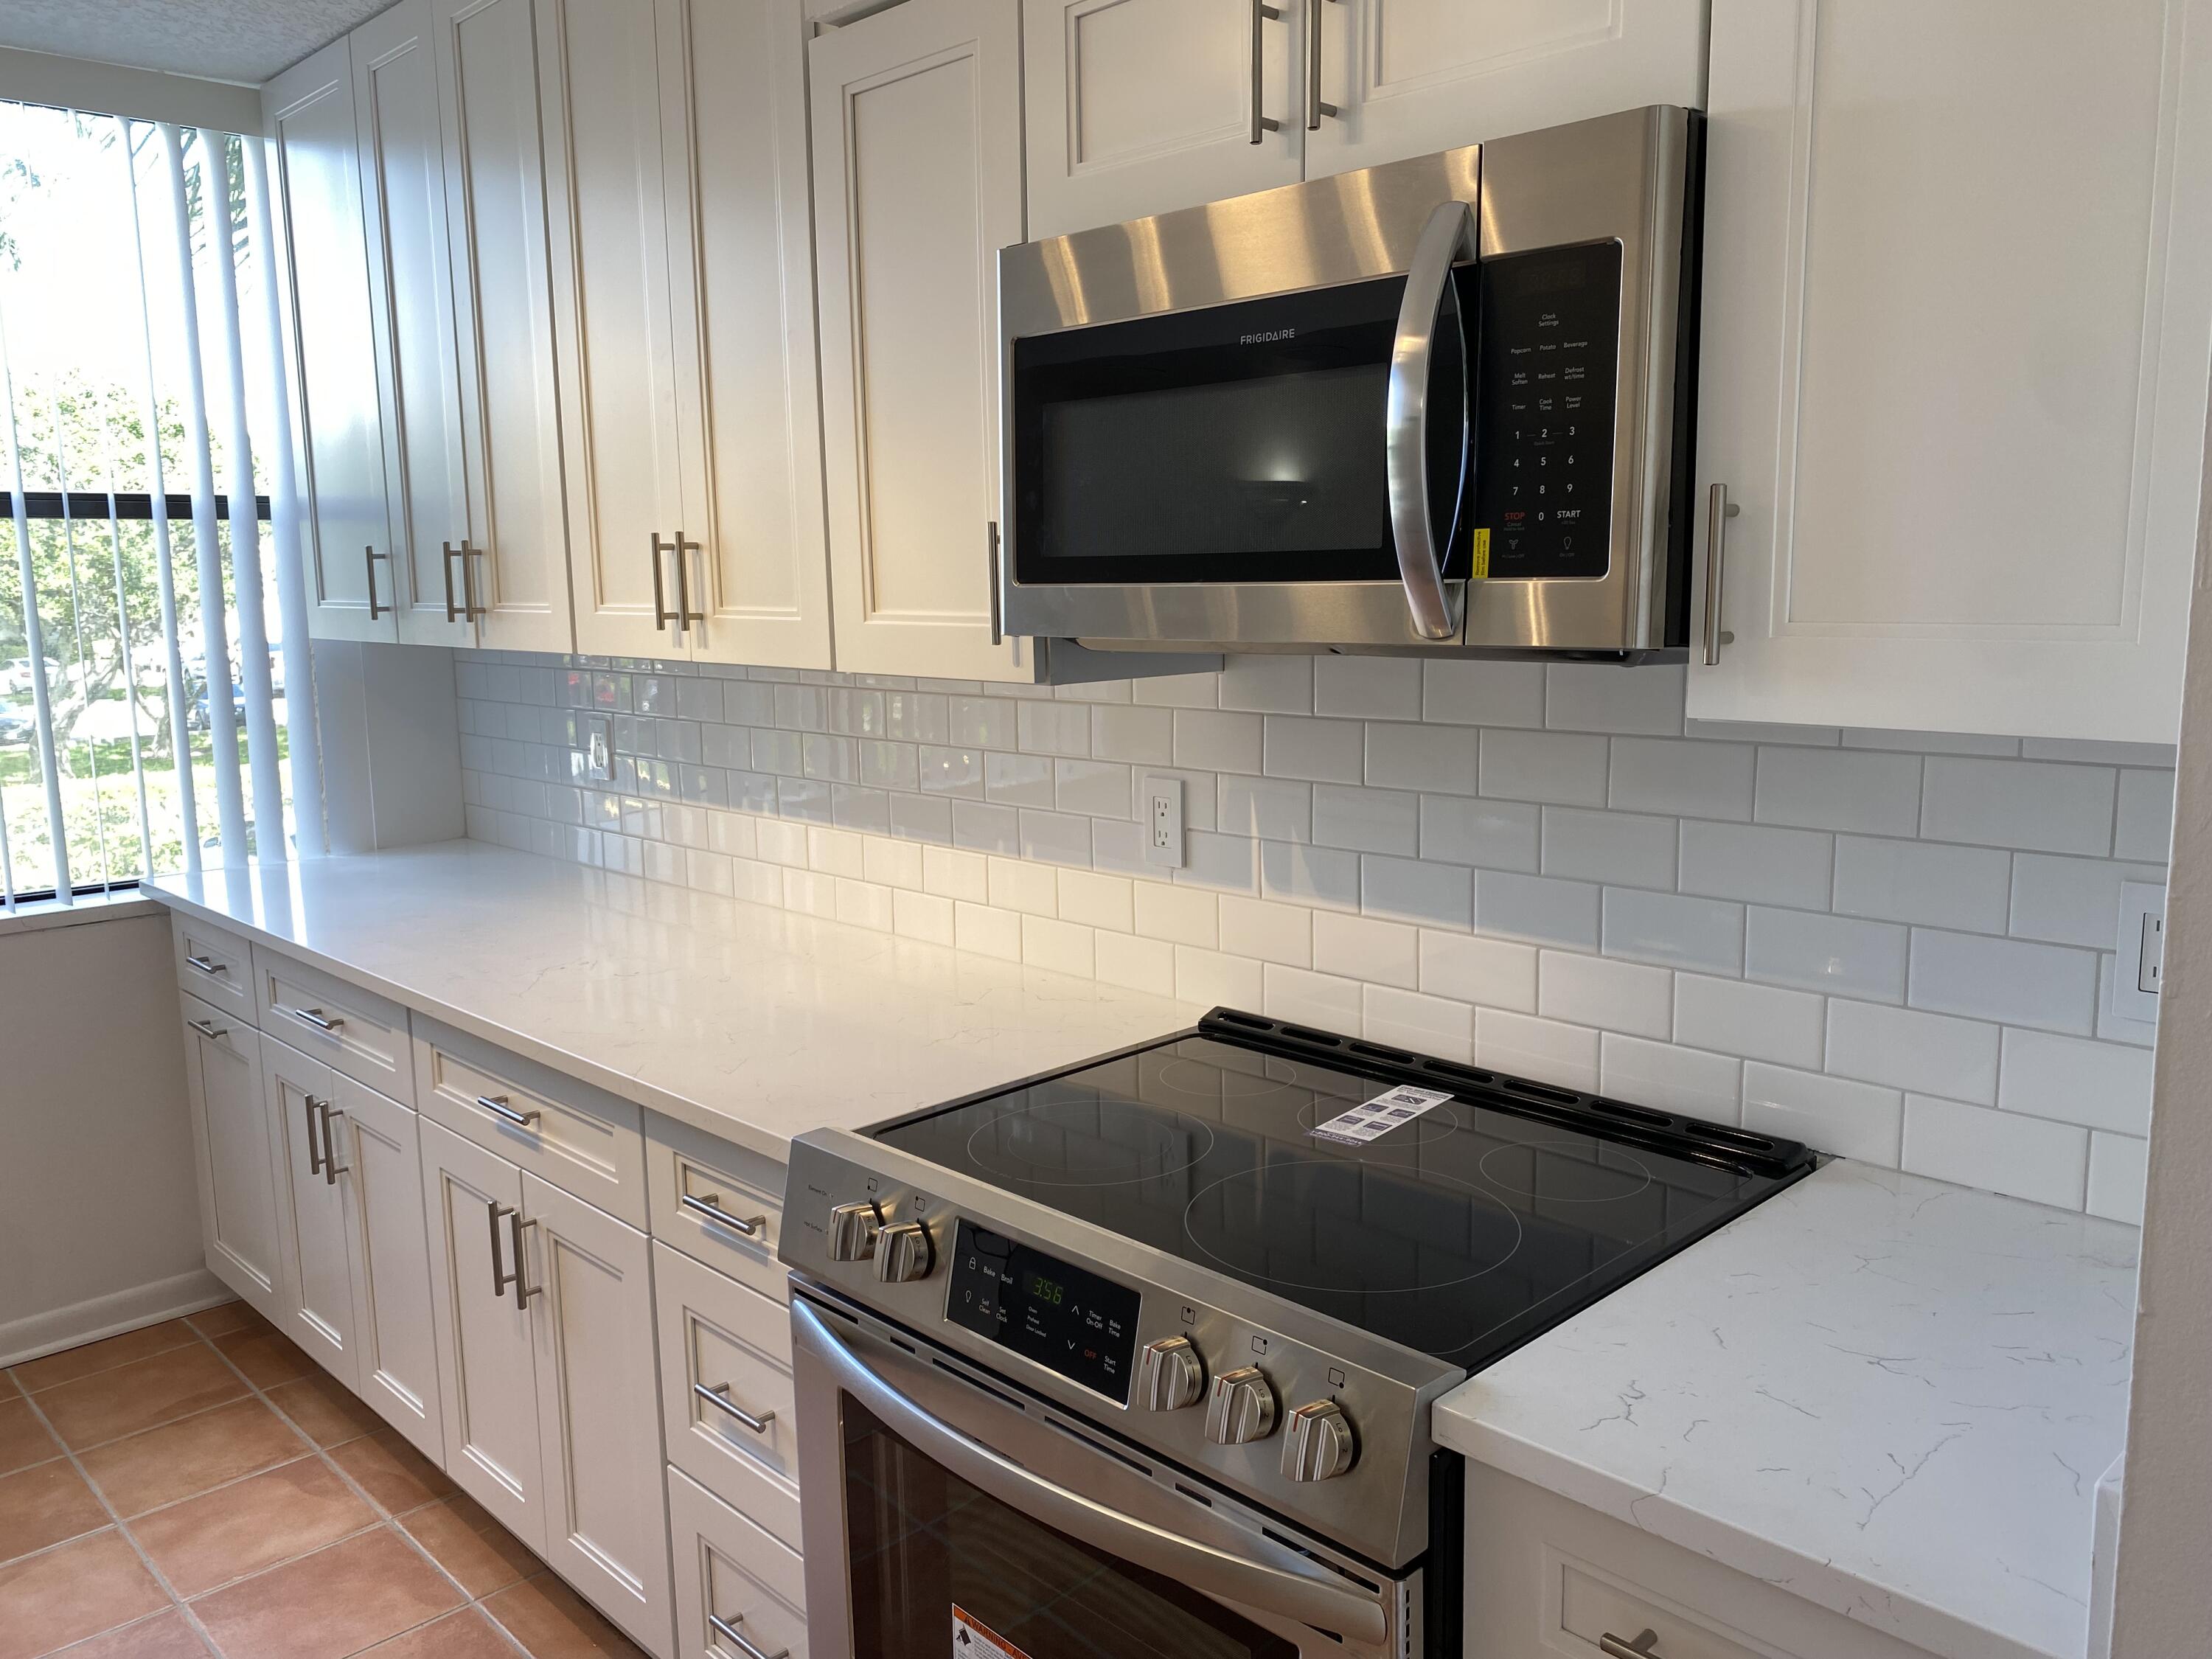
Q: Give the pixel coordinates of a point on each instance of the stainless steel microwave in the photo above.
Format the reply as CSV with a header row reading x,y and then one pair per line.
x,y
1439,406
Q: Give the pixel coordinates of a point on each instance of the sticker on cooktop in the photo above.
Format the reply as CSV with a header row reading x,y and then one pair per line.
x,y
1363,1122
974,1639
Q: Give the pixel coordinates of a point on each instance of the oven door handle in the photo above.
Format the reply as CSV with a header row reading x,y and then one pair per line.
x,y
1310,1598
1449,236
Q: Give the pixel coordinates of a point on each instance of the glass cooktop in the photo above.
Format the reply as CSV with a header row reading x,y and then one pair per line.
x,y
1459,1228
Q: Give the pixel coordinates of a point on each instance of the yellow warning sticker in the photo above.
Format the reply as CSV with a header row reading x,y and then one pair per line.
x,y
1480,566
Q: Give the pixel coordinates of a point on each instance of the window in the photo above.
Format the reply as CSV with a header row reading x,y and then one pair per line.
x,y
154,702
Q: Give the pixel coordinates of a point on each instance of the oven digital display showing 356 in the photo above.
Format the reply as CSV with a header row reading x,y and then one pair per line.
x,y
1078,1324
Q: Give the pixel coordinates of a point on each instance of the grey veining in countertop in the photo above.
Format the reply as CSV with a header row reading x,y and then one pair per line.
x,y
755,1024
1885,1394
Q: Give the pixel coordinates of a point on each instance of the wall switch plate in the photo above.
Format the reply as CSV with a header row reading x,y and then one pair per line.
x,y
2139,974
1164,843
598,754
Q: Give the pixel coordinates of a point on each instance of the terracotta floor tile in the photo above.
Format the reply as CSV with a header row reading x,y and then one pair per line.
x,y
103,1355
165,1635
23,1439
327,1411
192,1456
391,1471
68,1594
553,1622
334,1602
42,1505
470,1545
111,1404
242,1528
230,1316
266,1357
464,1635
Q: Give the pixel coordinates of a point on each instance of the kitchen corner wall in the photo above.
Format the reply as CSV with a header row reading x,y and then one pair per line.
x,y
1895,946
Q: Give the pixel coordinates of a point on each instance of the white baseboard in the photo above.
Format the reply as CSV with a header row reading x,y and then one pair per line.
x,y
110,1315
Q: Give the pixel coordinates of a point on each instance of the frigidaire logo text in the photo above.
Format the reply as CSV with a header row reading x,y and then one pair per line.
x,y
1265,335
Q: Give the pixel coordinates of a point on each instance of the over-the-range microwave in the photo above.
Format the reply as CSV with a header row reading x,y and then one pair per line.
x,y
1440,406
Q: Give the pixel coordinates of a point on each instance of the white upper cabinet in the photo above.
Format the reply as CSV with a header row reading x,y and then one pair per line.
x,y
917,185
1407,77
402,192
1958,311
1137,107
309,110
487,54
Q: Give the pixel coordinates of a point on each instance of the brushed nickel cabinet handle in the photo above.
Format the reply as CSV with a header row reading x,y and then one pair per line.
x,y
371,555
1314,108
470,609
332,1168
1645,1646
711,1207
497,1106
1261,124
1719,509
209,1029
662,616
315,1149
452,611
319,1019
524,1290
727,1629
992,555
685,613
207,964
500,1278
718,1397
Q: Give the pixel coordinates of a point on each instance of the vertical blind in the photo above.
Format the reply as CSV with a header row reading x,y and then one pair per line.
x,y
155,702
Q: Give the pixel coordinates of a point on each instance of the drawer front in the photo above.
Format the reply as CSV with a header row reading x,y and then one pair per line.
x,y
215,966
717,1203
1595,1606
348,1030
580,1139
717,1336
727,1568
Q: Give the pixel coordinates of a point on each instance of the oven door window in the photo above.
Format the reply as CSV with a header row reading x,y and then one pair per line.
x,y
1238,443
923,1542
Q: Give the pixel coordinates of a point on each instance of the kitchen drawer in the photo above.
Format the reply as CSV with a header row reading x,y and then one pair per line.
x,y
215,966
1594,1605
727,1568
693,1179
350,1030
582,1140
715,1334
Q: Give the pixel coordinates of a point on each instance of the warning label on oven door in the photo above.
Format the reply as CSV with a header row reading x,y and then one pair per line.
x,y
974,1639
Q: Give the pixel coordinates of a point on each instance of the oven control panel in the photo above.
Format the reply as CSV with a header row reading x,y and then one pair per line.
x,y
1062,1317
1547,366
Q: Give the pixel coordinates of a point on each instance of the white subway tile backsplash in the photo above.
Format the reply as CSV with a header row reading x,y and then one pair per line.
x,y
1365,841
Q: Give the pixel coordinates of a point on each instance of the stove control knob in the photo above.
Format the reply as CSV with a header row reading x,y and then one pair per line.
x,y
904,1253
1173,1376
852,1229
1242,1408
1318,1443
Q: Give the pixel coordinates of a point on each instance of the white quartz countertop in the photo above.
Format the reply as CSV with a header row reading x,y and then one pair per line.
x,y
755,1024
1888,1395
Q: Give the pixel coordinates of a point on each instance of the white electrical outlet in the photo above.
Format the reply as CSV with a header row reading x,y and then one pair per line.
x,y
1163,822
2139,974
598,755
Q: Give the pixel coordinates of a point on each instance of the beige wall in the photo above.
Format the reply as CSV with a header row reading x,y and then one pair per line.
x,y
99,1211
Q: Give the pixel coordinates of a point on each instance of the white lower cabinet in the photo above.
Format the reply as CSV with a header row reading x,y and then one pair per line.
x,y
738,1591
312,1203
379,1147
232,1155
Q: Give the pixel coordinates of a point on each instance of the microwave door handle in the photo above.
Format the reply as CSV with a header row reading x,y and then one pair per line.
x,y
1449,236
1311,1600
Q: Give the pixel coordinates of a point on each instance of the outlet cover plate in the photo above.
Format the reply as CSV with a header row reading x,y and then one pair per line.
x,y
1162,822
2140,970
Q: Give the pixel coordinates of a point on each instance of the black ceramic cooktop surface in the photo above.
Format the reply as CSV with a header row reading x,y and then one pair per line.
x,y
1460,1229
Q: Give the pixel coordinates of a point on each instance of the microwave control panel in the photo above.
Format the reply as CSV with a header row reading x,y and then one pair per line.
x,y
1548,358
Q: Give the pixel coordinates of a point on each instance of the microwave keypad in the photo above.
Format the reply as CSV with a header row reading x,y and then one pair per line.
x,y
1548,369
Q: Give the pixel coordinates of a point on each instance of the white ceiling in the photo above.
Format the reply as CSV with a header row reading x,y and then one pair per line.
x,y
246,40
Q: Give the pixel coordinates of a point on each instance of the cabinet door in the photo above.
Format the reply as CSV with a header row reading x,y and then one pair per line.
x,y
1965,436
601,88
1408,77
741,269
917,185
395,1328
339,425
485,1355
606,1528
231,1155
488,93
313,1200
1136,107
402,193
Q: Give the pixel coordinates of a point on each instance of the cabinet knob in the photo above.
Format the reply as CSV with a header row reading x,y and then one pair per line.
x,y
1318,1443
1242,1408
904,1253
852,1231
1172,1376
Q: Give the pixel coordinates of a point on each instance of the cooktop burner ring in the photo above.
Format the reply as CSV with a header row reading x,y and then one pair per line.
x,y
1266,1086
1253,1276
1642,1169
1193,1154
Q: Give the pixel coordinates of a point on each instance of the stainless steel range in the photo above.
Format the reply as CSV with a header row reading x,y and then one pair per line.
x,y
1138,1357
